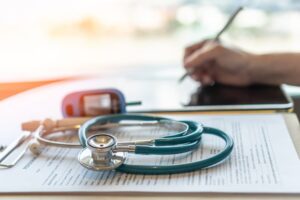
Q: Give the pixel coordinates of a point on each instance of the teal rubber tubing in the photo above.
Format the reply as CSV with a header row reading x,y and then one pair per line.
x,y
187,167
110,119
194,133
164,150
191,134
190,139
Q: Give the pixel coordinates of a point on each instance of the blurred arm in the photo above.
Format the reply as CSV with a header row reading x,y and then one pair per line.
x,y
213,62
276,68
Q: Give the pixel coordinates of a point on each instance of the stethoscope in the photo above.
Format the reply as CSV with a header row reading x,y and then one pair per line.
x,y
102,151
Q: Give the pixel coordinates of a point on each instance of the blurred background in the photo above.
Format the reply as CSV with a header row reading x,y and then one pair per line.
x,y
41,40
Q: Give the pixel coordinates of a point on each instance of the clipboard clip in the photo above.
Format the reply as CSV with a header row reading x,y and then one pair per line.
x,y
5,152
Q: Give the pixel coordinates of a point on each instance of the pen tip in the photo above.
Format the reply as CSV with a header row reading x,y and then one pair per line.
x,y
182,78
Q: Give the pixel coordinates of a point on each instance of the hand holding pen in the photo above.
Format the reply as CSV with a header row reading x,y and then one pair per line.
x,y
191,58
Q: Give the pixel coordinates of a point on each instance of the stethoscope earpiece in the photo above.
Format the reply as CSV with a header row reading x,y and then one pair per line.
x,y
35,147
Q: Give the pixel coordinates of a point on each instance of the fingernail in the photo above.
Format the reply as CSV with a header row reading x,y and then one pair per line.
x,y
195,77
206,80
190,71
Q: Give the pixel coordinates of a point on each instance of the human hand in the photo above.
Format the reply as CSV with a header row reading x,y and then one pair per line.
x,y
209,61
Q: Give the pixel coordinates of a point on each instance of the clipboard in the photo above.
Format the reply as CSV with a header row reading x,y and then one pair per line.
x,y
293,127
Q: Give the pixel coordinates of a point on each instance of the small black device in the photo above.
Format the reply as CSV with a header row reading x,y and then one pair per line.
x,y
215,98
255,97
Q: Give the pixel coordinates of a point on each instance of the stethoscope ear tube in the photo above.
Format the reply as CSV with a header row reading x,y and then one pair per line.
x,y
187,167
167,150
192,133
116,118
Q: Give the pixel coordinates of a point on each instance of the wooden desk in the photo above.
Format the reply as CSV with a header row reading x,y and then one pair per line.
x,y
13,88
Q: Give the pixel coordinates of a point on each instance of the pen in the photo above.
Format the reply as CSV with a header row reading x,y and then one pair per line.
x,y
217,37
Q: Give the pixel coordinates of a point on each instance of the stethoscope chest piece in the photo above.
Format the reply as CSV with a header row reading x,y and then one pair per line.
x,y
99,153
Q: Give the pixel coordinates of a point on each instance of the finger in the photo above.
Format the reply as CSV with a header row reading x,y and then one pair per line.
x,y
192,48
200,57
206,77
206,80
201,75
198,75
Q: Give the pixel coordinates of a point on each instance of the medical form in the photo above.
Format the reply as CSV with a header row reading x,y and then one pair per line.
x,y
264,160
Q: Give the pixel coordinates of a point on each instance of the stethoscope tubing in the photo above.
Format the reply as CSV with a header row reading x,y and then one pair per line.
x,y
191,134
41,138
186,167
181,142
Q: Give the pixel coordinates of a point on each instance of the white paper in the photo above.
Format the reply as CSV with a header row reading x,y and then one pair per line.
x,y
264,160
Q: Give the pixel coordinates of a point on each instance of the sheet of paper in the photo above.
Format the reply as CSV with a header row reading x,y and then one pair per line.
x,y
264,160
